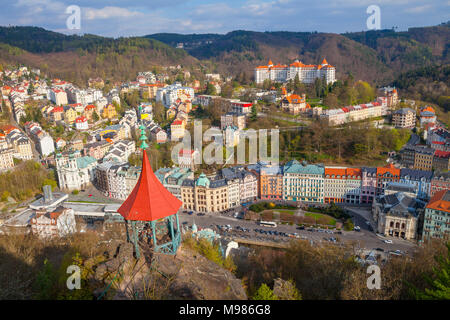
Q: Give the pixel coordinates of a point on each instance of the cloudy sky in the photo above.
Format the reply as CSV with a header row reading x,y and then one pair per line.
x,y
140,17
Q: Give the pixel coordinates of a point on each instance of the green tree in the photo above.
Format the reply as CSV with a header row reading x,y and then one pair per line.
x,y
210,89
439,282
95,116
264,293
5,195
45,282
253,114
50,182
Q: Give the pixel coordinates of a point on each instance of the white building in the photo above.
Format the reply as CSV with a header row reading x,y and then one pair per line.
x,y
169,95
306,73
58,223
75,173
81,123
43,141
57,96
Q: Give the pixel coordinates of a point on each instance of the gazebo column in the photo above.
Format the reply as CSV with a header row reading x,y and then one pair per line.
x,y
178,222
126,229
172,234
154,235
135,236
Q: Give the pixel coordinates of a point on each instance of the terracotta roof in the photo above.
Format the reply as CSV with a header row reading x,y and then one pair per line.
x,y
440,201
294,98
389,168
343,172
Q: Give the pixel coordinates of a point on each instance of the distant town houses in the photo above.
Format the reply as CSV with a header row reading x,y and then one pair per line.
x,y
232,119
305,73
81,123
116,179
57,96
347,114
421,157
120,151
177,130
97,149
42,140
170,94
440,181
172,178
187,158
18,141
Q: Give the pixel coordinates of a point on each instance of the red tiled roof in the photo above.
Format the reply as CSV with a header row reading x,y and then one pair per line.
x,y
149,200
441,154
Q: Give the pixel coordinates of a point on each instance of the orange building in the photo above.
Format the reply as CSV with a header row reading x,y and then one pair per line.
x,y
386,175
271,183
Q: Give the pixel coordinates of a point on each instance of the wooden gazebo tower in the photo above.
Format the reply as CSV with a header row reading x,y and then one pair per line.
x,y
152,211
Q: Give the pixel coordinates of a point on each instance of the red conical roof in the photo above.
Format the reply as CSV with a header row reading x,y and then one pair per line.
x,y
149,200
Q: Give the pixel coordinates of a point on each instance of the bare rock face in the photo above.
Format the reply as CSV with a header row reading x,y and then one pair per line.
x,y
201,279
186,275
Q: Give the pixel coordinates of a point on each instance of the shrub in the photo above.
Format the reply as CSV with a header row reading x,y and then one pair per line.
x,y
264,293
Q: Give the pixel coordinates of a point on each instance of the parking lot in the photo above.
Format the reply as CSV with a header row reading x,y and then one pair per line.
x,y
227,225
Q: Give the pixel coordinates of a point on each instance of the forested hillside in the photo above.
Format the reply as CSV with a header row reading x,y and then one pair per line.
x,y
427,84
375,56
378,56
77,58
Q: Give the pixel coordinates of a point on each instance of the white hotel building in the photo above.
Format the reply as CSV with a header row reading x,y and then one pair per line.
x,y
307,73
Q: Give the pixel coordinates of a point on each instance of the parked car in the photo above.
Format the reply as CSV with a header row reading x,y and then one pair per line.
x,y
380,249
190,212
388,241
301,228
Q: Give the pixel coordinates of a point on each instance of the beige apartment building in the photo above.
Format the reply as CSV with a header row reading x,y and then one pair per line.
x,y
404,118
204,194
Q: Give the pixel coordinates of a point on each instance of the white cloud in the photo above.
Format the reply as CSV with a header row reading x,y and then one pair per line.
x,y
418,9
108,12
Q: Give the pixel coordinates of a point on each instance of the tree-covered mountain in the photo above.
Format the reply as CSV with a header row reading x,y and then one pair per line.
x,y
77,58
375,56
431,83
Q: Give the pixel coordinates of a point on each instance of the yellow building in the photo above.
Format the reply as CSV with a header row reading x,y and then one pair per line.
x,y
177,130
109,112
70,115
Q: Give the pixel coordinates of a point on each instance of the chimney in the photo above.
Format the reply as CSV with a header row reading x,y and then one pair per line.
x,y
48,195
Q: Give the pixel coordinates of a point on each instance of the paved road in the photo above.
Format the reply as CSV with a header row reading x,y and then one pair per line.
x,y
363,239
